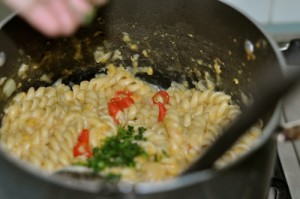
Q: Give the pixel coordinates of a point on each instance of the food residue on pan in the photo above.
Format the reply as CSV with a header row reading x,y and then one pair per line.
x,y
117,55
217,66
247,100
236,81
145,53
2,58
132,46
2,80
46,78
126,38
249,49
23,70
19,85
9,87
134,60
105,55
101,56
261,43
200,62
78,51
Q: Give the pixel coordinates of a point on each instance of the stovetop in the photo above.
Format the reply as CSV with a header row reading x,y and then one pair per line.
x,y
288,167
279,186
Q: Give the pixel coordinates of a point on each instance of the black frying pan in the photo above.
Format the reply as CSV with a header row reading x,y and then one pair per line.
x,y
217,30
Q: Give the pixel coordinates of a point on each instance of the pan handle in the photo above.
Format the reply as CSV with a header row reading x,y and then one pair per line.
x,y
291,51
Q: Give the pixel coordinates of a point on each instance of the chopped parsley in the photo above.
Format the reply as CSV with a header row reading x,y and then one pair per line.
x,y
119,150
165,153
111,177
158,157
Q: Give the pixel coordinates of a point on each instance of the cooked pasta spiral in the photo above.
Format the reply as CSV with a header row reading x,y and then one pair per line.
x,y
42,126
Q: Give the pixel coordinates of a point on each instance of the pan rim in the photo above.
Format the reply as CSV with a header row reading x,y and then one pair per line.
x,y
179,182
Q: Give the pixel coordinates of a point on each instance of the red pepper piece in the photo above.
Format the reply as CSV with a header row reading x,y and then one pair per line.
x,y
119,103
113,110
165,96
161,105
82,146
125,102
128,93
162,111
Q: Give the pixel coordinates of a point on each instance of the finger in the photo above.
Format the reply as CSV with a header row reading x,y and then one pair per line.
x,y
67,21
42,18
79,8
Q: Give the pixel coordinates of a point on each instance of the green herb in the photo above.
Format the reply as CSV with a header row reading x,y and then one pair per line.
x,y
80,164
90,16
165,153
157,158
140,135
111,177
119,150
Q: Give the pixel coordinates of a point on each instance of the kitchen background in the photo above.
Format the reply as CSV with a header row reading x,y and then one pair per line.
x,y
280,18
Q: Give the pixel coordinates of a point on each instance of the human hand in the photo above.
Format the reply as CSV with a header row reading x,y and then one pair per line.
x,y
54,17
